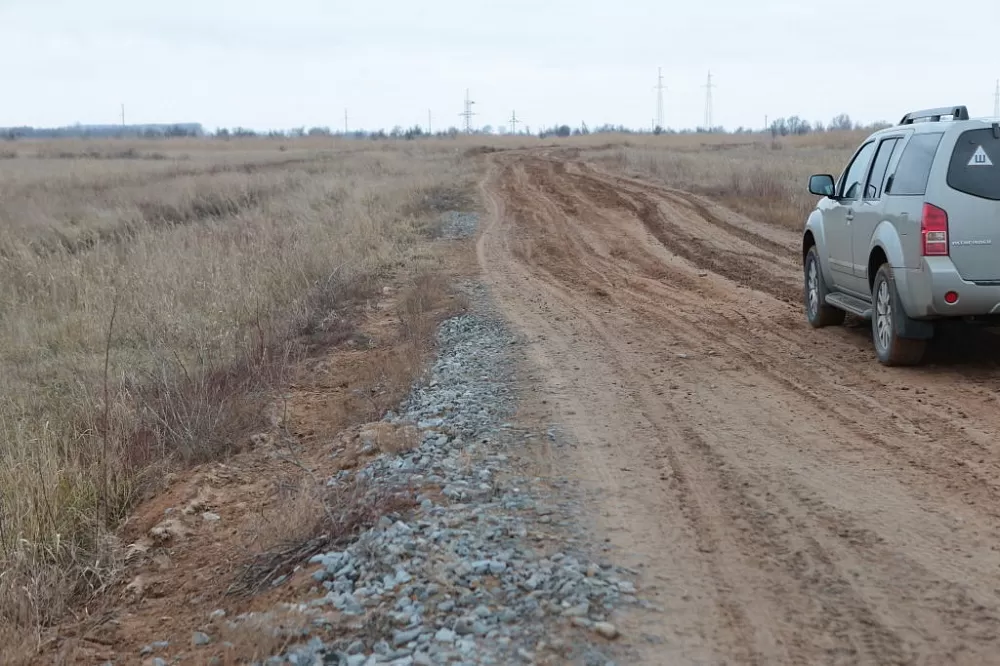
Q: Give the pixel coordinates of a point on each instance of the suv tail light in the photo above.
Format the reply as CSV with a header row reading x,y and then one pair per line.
x,y
934,231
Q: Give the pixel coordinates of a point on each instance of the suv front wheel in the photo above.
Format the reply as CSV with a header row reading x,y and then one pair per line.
x,y
818,312
889,347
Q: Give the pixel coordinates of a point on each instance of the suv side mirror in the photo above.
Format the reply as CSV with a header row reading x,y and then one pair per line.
x,y
822,185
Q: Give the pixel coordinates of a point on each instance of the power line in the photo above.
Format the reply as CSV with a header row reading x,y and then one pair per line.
x,y
708,103
659,98
513,122
468,113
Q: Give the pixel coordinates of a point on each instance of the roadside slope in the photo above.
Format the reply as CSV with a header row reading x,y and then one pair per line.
x,y
788,500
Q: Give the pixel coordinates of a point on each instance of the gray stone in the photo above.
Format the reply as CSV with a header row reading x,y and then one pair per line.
x,y
509,616
466,646
445,635
401,638
356,660
200,638
488,566
607,630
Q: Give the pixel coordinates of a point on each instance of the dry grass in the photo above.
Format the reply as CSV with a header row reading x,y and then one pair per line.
x,y
151,296
760,177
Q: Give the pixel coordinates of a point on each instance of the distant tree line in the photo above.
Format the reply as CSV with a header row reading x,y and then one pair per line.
x,y
797,126
104,131
793,125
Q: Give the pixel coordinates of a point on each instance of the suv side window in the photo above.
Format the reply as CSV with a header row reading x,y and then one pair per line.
x,y
914,166
873,189
854,177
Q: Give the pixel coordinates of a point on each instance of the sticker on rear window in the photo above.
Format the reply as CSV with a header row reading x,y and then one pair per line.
x,y
980,158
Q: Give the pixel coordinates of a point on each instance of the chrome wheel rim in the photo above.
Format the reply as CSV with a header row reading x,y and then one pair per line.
x,y
883,315
812,287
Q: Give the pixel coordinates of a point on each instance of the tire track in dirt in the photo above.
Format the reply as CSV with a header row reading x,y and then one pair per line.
x,y
778,247
932,429
745,265
791,501
714,546
804,380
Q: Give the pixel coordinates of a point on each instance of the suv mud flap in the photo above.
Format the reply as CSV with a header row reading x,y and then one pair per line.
x,y
914,329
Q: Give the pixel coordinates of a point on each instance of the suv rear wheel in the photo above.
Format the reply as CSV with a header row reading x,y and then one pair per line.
x,y
889,347
818,312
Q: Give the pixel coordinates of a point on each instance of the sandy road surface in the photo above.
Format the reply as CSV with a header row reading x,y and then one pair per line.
x,y
789,500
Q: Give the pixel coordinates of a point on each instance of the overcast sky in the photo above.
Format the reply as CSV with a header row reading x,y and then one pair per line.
x,y
286,63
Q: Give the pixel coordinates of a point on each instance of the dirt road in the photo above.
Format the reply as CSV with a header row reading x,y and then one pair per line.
x,y
789,500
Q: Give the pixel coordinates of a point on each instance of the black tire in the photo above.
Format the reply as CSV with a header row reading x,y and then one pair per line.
x,y
818,313
891,349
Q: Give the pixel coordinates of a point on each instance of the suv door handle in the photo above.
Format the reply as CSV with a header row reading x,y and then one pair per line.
x,y
850,215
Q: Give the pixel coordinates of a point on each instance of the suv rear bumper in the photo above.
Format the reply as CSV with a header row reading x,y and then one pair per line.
x,y
922,291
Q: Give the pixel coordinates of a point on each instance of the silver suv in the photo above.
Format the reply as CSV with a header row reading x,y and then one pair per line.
x,y
910,233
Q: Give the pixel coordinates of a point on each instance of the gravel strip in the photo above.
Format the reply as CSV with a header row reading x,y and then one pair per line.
x,y
487,571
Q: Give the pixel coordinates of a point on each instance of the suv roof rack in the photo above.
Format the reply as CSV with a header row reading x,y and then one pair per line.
x,y
957,113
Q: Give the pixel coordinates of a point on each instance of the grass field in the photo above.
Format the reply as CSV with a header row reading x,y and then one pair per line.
x,y
760,177
152,294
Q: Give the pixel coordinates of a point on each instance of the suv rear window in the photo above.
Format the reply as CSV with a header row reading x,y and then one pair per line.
x,y
975,164
914,166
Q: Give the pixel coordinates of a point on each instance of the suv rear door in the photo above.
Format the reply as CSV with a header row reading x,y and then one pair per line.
x,y
871,210
973,204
